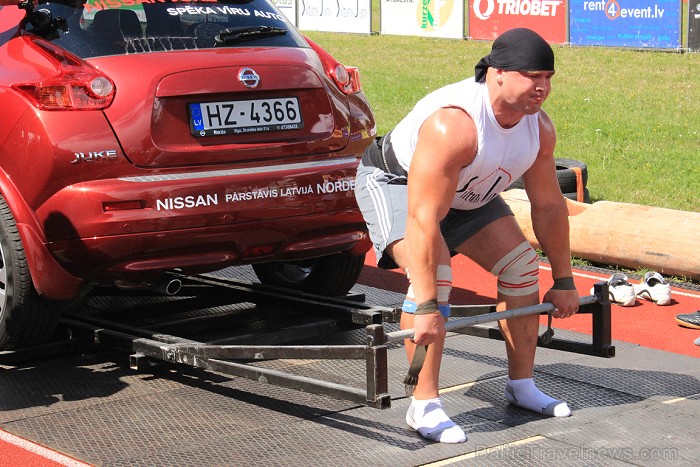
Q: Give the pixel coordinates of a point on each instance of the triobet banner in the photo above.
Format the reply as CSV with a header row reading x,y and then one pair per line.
x,y
353,16
625,23
430,18
288,8
489,18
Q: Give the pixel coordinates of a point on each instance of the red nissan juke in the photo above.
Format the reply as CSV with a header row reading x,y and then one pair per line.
x,y
141,137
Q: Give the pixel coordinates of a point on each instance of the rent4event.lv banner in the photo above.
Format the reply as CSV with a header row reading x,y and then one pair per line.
x,y
489,18
430,18
626,23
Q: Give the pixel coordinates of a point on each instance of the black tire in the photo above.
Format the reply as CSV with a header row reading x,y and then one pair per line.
x,y
330,276
25,318
565,175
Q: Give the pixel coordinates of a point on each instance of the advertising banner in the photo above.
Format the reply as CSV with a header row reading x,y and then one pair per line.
x,y
353,16
288,9
625,23
489,18
430,18
694,25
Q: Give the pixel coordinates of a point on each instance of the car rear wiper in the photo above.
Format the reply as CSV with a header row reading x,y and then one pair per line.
x,y
247,33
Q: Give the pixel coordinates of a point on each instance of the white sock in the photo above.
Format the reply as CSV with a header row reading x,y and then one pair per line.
x,y
524,393
428,419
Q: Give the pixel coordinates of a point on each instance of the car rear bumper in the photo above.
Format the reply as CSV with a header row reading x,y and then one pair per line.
x,y
142,255
193,221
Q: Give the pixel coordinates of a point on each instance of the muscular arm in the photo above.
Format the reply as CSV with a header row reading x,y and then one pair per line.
x,y
446,143
550,219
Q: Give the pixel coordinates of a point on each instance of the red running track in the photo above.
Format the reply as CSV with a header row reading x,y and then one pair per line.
x,y
19,452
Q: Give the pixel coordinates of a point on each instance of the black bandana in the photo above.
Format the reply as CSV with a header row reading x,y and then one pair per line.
x,y
518,49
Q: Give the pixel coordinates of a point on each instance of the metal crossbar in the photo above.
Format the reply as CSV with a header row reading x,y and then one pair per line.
x,y
461,323
231,354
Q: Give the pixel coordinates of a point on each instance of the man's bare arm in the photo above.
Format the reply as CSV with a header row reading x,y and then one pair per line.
x,y
446,143
550,219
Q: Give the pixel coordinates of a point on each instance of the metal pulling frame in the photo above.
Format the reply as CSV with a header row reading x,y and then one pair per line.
x,y
597,305
229,357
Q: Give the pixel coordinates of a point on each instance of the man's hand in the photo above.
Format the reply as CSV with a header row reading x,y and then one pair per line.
x,y
428,328
566,302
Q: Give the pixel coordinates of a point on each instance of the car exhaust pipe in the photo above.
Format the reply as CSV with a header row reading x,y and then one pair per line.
x,y
165,285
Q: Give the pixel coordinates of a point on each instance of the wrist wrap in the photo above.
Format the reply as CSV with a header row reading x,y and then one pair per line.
x,y
564,283
425,308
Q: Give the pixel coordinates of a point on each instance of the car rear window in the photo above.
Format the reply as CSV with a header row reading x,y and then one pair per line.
x,y
117,27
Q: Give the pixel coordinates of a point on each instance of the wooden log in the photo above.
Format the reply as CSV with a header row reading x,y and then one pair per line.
x,y
627,235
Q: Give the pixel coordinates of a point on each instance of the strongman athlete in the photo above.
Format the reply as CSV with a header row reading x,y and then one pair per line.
x,y
430,188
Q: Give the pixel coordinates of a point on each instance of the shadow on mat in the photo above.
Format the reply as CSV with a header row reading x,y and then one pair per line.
x,y
49,381
582,387
97,376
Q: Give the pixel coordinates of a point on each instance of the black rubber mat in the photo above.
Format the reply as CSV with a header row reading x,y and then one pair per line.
x,y
639,408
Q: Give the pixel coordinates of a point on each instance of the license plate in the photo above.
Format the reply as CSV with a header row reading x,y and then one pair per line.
x,y
240,117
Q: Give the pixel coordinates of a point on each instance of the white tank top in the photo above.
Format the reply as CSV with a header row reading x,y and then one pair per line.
x,y
503,155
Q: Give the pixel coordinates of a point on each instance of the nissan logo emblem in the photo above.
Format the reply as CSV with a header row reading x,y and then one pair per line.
x,y
248,77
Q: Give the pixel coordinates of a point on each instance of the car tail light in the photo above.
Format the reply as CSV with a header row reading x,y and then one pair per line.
x,y
347,78
76,85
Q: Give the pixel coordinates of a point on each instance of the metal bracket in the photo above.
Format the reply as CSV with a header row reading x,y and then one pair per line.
x,y
597,305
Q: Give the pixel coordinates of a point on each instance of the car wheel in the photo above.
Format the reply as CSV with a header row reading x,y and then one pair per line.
x,y
25,318
332,275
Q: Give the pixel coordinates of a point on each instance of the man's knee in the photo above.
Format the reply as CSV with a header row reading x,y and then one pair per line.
x,y
518,271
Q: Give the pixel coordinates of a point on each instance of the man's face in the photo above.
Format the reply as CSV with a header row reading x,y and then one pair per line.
x,y
526,91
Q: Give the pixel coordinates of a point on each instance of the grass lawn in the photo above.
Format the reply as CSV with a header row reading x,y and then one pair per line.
x,y
632,116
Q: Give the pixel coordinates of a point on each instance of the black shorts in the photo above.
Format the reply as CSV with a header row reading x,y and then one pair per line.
x,y
383,200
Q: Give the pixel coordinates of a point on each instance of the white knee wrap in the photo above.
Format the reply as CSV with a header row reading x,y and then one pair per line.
x,y
518,271
444,284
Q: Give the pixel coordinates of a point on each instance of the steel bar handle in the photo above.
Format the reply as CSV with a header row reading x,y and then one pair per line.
x,y
488,317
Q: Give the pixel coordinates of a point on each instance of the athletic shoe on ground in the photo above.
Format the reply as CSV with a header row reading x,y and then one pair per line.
x,y
691,320
654,288
620,290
